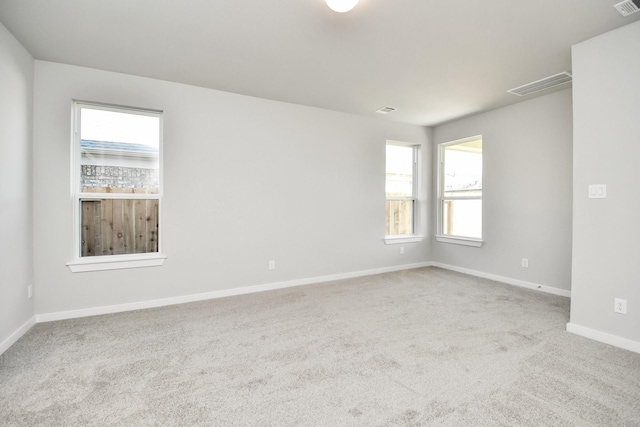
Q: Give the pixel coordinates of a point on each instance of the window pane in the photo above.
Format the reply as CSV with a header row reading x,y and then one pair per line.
x,y
399,217
462,218
118,226
399,171
119,152
463,169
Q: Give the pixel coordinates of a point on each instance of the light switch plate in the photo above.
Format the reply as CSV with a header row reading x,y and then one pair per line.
x,y
598,191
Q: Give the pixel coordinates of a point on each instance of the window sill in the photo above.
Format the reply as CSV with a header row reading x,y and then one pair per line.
x,y
116,262
396,240
465,241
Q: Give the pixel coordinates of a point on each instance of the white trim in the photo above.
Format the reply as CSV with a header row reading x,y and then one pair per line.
x,y
78,264
116,196
119,154
456,240
604,337
94,311
462,141
115,262
441,198
507,280
416,184
454,198
11,339
394,240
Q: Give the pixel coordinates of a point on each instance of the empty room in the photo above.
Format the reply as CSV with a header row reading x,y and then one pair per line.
x,y
319,213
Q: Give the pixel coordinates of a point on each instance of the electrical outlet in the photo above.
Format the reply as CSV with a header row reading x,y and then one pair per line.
x,y
525,262
620,305
30,291
272,265
401,250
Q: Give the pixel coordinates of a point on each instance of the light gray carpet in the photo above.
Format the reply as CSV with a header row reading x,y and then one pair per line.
x,y
420,347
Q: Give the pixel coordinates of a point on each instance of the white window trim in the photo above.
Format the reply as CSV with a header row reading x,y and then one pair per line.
x,y
110,262
116,262
417,174
458,240
440,236
405,238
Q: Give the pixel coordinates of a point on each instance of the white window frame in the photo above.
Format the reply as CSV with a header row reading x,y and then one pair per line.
x,y
109,262
440,236
415,236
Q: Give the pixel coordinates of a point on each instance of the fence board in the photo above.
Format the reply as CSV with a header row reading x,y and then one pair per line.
x,y
107,226
97,234
87,229
140,227
118,227
129,226
152,224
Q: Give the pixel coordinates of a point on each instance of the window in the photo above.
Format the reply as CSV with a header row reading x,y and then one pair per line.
x,y
460,192
401,190
117,187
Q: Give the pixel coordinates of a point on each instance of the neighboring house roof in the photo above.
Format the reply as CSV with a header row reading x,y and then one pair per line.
x,y
123,147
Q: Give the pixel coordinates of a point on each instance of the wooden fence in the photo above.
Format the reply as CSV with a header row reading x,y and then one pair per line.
x,y
119,226
399,217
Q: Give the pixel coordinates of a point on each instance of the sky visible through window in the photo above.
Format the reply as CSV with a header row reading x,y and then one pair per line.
x,y
111,126
399,171
463,170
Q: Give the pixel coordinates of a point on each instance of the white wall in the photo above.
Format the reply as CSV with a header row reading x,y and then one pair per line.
x,y
16,270
606,233
527,150
246,181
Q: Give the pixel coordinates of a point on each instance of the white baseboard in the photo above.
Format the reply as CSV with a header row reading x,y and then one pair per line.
x,y
571,327
510,281
4,345
94,311
604,337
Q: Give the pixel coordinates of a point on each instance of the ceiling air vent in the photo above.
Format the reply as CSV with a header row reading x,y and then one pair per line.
x,y
542,84
628,7
386,110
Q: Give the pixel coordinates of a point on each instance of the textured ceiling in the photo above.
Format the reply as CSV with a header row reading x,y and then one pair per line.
x,y
433,60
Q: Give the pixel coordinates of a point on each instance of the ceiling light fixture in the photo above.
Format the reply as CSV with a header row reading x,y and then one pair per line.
x,y
341,5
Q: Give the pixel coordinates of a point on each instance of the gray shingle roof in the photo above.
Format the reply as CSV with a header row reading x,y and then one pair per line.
x,y
87,144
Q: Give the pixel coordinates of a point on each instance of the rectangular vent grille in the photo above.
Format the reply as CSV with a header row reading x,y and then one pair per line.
x,y
628,7
386,110
542,84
